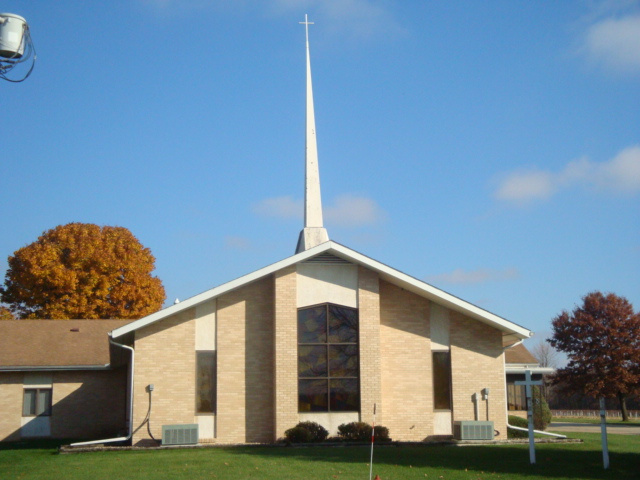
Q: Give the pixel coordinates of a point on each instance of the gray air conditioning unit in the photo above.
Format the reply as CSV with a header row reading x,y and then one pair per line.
x,y
180,434
471,430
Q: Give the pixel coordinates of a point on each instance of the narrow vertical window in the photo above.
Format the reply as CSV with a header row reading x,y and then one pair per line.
x,y
206,382
441,380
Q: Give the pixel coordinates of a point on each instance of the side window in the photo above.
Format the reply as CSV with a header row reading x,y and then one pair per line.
x,y
441,380
36,402
516,396
206,381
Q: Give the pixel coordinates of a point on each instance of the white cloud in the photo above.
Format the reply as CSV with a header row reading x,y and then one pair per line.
x,y
279,207
353,211
525,186
345,211
467,277
623,171
236,243
614,43
620,174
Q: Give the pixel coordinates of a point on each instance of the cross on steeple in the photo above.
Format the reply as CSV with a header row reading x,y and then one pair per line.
x,y
313,232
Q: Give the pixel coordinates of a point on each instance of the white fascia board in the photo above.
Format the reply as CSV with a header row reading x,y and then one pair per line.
x,y
432,293
53,368
387,273
516,368
219,290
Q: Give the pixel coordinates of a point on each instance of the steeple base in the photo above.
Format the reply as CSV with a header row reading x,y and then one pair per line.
x,y
311,237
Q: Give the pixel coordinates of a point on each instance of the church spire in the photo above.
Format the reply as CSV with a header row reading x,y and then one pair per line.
x,y
313,232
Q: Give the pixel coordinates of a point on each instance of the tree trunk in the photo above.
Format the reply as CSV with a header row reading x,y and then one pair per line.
x,y
623,406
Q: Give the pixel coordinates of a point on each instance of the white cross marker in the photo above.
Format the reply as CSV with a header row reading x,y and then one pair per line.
x,y
528,383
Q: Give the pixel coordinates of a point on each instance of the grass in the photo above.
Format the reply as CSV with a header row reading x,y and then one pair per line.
x,y
610,421
554,461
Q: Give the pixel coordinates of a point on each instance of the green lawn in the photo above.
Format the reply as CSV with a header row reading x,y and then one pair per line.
x,y
561,461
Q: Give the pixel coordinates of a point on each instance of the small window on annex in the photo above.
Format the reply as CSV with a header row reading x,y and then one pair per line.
x,y
206,382
516,396
328,364
441,380
36,402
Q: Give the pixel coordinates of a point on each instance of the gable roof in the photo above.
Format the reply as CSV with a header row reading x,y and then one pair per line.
x,y
511,331
55,344
519,354
518,359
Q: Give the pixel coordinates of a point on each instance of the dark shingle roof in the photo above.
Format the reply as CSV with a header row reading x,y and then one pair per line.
x,y
519,354
39,343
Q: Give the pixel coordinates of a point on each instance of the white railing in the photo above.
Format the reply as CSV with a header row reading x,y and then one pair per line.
x,y
635,414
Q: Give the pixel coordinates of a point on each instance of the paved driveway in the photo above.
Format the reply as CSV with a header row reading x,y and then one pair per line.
x,y
594,428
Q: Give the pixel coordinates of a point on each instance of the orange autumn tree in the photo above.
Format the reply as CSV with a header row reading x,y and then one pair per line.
x,y
5,314
81,270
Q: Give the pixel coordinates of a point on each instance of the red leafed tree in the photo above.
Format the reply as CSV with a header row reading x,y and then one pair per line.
x,y
84,271
601,338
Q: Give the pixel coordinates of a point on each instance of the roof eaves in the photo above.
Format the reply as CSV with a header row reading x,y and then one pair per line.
x,y
410,283
49,368
433,293
514,368
219,290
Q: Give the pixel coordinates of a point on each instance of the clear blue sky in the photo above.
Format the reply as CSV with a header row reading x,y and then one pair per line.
x,y
489,148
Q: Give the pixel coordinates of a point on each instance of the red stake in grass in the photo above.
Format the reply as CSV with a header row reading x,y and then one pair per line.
x,y
373,434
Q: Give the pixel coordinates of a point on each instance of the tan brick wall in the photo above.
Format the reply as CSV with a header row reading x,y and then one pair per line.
x,y
286,351
89,404
245,364
370,362
85,404
165,357
405,348
477,362
10,405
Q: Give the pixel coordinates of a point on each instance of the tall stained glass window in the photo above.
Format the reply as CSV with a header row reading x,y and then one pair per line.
x,y
206,381
328,365
441,380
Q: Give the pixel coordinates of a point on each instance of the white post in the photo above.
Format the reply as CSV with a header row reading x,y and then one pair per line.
x,y
603,429
528,383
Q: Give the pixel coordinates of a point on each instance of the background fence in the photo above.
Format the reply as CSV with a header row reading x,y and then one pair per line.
x,y
635,414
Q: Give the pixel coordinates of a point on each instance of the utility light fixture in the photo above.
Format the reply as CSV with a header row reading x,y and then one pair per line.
x,y
16,48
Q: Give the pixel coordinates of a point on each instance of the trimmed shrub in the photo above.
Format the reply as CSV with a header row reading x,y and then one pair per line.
x,y
298,435
306,432
517,422
355,431
361,432
381,433
541,410
317,431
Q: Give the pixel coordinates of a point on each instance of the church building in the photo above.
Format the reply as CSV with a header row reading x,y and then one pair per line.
x,y
323,335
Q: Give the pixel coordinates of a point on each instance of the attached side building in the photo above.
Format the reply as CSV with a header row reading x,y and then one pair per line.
x,y
58,379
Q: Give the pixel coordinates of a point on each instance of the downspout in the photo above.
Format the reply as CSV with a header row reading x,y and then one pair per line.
x,y
130,434
507,404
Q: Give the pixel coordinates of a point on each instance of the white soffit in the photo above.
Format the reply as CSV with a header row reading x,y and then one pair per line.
x,y
386,273
517,368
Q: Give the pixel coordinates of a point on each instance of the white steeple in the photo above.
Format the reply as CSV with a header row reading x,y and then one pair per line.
x,y
313,232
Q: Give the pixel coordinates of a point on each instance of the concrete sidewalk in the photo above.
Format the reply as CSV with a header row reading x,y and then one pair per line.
x,y
617,429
